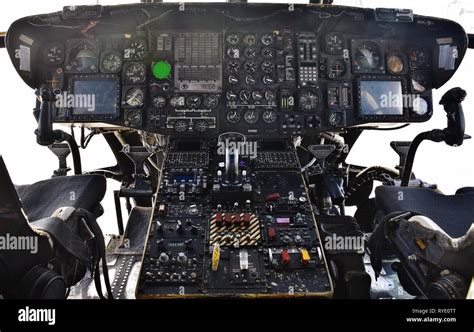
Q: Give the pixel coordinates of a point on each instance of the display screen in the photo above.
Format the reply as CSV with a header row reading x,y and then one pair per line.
x,y
94,97
381,98
188,146
272,146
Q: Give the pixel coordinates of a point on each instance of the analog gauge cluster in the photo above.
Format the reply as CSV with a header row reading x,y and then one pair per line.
x,y
191,125
251,117
260,74
250,68
420,63
334,58
186,113
186,103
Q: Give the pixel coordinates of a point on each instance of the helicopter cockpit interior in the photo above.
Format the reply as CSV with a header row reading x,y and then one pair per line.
x,y
231,124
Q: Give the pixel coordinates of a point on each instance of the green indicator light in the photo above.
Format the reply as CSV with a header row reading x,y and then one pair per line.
x,y
161,70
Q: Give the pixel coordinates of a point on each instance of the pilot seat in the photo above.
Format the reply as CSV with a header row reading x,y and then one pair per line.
x,y
59,215
432,235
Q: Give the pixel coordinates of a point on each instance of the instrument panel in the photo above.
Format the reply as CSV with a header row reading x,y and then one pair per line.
x,y
260,70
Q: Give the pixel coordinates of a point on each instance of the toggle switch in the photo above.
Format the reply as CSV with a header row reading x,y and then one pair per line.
x,y
305,258
285,257
219,219
272,233
216,254
244,260
246,218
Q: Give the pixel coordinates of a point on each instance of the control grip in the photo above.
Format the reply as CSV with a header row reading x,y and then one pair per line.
x,y
451,101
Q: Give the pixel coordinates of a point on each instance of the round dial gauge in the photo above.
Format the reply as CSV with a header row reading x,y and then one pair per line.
x,y
269,116
134,118
232,38
193,102
244,95
268,53
334,43
250,39
250,53
268,67
233,53
367,57
180,126
268,80
211,101
336,69
419,59
83,58
335,119
111,62
250,66
232,79
159,101
395,64
53,54
420,106
201,126
257,95
177,101
134,73
308,101
233,117
270,95
250,80
231,95
135,50
420,81
233,66
267,39
134,97
251,116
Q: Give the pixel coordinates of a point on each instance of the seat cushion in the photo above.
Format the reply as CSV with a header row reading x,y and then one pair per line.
x,y
41,199
454,214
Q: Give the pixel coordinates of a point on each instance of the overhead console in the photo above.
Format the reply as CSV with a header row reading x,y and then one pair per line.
x,y
263,70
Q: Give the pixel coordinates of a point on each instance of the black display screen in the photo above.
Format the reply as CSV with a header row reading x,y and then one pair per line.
x,y
188,146
272,146
94,97
381,98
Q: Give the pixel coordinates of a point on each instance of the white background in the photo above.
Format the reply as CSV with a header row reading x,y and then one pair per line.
x,y
28,162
